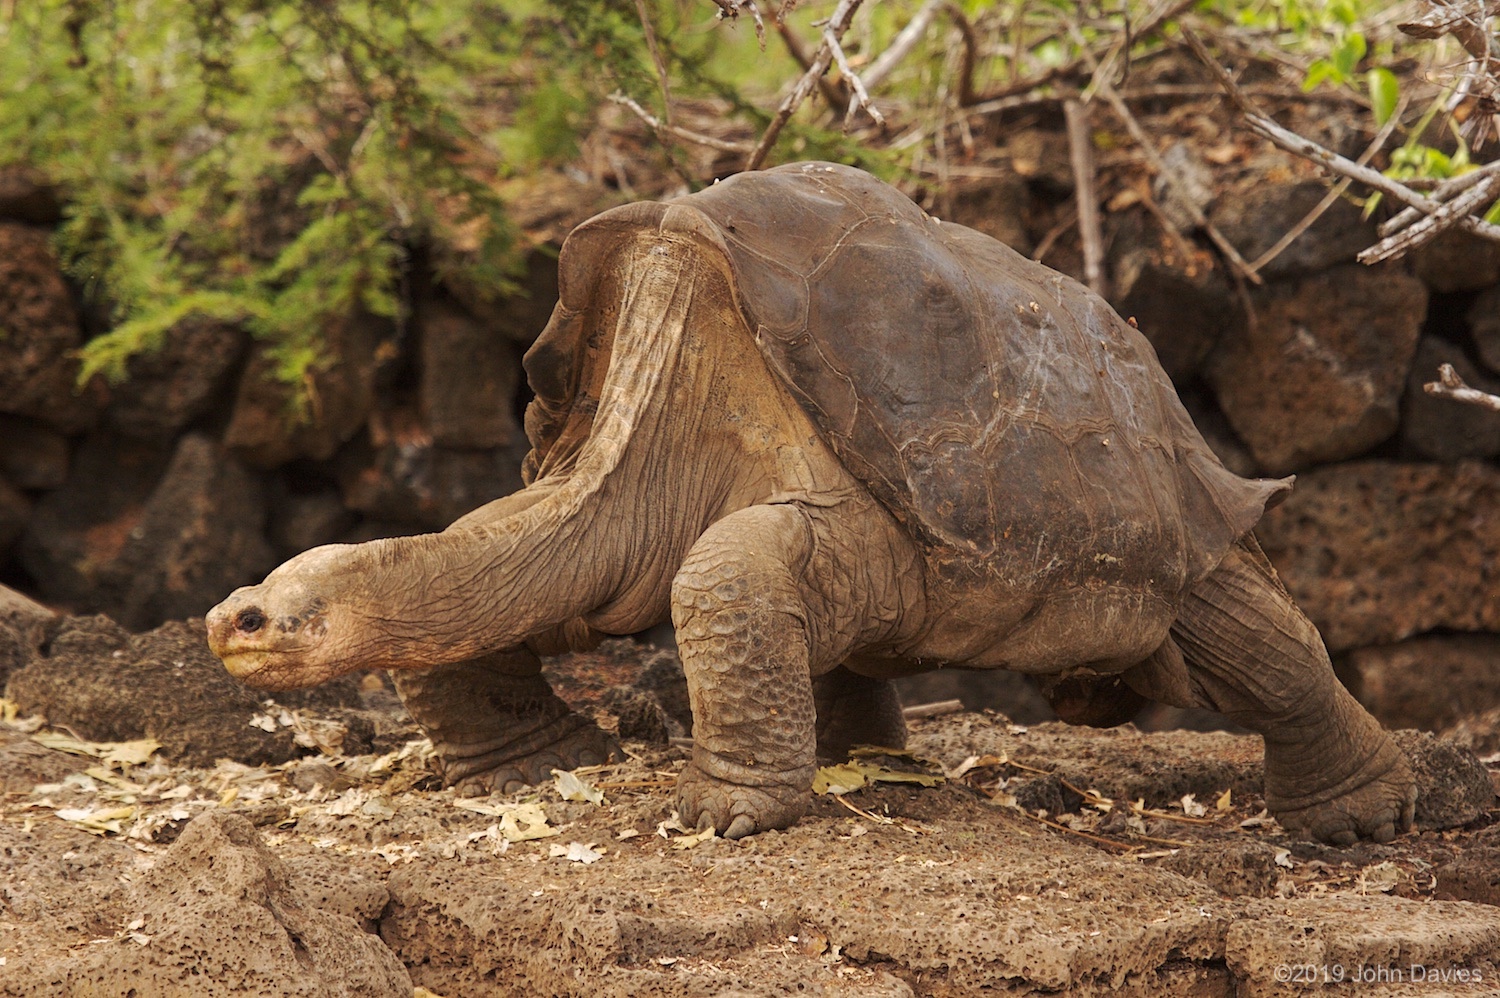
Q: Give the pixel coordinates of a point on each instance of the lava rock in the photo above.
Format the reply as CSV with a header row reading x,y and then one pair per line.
x,y
1454,788
1182,306
264,429
169,388
1458,261
470,375
32,456
1318,375
78,531
1378,551
25,196
105,684
220,913
1484,327
1440,428
1254,218
38,363
1430,682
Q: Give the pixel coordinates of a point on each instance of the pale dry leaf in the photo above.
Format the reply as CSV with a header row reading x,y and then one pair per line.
x,y
572,787
1224,802
525,822
1283,857
576,852
695,839
1191,807
1383,877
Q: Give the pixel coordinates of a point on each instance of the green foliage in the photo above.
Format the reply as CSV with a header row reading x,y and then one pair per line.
x,y
270,162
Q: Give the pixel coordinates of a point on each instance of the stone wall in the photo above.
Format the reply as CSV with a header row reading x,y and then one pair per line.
x,y
150,499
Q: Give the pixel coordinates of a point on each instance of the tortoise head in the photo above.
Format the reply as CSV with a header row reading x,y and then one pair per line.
x,y
290,631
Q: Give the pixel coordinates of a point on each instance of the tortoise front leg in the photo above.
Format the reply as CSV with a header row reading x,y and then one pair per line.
x,y
767,604
742,635
1332,773
496,724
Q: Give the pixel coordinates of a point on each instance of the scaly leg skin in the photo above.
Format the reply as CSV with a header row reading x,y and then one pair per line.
x,y
497,726
1332,773
856,710
741,633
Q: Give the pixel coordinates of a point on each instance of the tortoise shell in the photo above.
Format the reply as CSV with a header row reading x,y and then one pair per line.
x,y
1003,412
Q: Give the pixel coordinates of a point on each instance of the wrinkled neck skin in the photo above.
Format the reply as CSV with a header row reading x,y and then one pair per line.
x,y
689,425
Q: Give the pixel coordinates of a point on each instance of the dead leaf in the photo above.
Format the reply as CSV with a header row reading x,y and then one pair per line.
x,y
1223,803
850,776
574,788
1383,877
525,822
1283,857
696,838
576,852
1191,807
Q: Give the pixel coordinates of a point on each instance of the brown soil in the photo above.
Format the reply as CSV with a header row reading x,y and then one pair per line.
x,y
1027,871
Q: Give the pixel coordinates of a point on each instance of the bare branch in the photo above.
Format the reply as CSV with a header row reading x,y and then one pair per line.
x,y
663,77
730,9
1329,160
1081,153
1107,90
837,25
906,39
861,98
1442,192
1476,198
1450,386
1334,193
697,138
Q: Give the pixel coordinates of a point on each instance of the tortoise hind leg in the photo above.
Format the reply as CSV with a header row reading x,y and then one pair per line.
x,y
496,724
856,710
1332,773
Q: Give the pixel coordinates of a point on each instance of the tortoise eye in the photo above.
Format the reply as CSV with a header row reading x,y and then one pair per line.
x,y
249,621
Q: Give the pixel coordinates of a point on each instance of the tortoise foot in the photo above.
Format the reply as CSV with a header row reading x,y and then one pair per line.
x,y
577,742
736,810
1379,806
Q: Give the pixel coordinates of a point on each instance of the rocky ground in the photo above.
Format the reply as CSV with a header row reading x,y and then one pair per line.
x,y
165,833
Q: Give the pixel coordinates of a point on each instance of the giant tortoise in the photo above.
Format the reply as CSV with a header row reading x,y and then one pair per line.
x,y
838,441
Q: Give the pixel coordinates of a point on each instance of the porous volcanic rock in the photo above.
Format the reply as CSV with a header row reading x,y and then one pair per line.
x,y
401,475
1257,215
146,536
199,537
1458,261
167,389
1182,306
1484,328
109,685
470,374
1441,429
1430,682
264,427
32,455
1318,375
25,196
38,369
1378,551
15,511
220,914
21,621
1378,933
78,531
1454,787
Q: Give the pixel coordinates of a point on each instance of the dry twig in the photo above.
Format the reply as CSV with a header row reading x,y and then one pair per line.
x,y
1450,386
837,25
1107,90
1331,161
686,135
1081,155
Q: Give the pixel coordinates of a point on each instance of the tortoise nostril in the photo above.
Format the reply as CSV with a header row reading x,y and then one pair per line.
x,y
249,621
